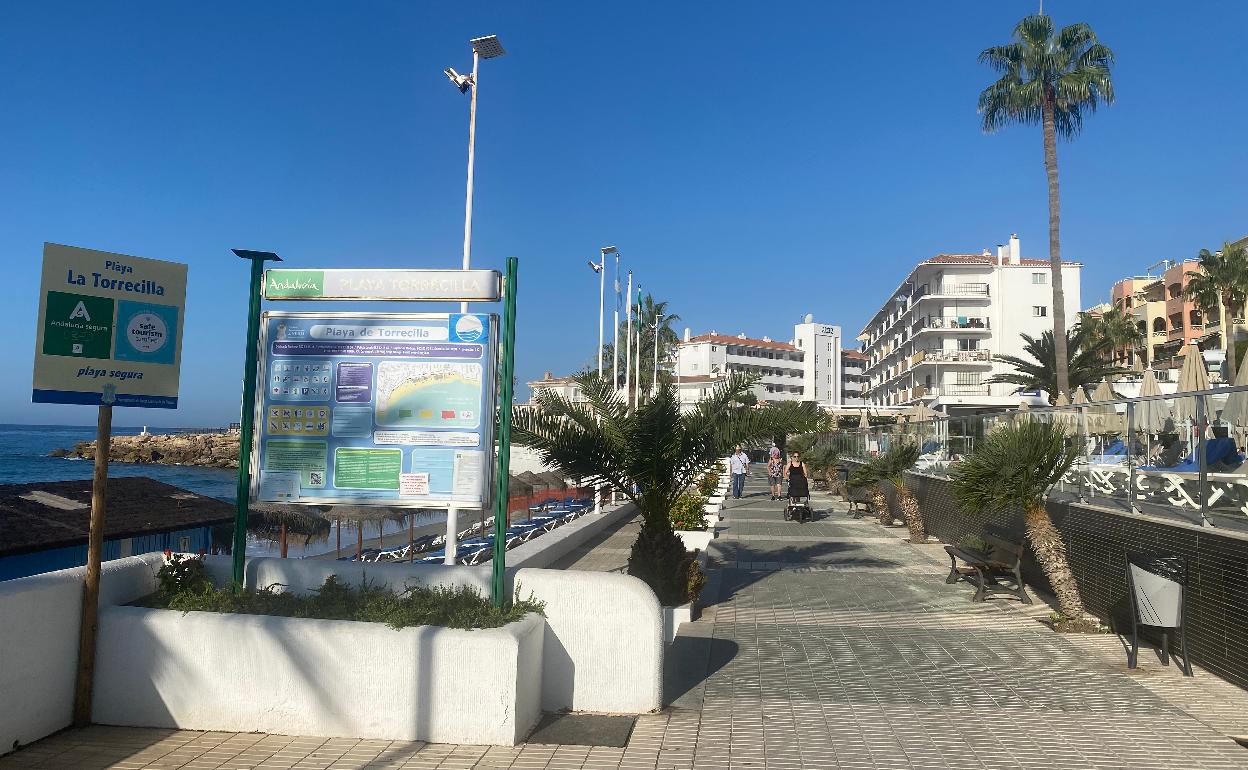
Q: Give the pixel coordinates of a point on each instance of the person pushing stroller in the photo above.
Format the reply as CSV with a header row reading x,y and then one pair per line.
x,y
796,473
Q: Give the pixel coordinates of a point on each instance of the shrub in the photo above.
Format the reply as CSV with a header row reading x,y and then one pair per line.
x,y
184,586
707,484
697,579
687,512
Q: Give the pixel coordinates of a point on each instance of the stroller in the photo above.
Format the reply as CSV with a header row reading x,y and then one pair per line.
x,y
798,508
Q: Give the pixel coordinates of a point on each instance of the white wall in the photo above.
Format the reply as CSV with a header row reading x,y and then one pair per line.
x,y
39,621
600,650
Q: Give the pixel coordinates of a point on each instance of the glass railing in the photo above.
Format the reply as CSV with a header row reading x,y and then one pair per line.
x,y
1180,456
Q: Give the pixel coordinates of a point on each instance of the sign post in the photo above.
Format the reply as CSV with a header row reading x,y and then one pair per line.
x,y
109,333
506,376
238,551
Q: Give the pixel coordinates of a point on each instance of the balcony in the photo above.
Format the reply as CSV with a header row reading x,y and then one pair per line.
x,y
956,357
952,290
952,323
960,390
1159,332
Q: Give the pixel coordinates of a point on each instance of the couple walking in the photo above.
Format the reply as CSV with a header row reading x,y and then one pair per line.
x,y
794,471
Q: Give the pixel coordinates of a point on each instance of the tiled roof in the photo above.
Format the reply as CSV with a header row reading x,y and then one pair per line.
x,y
551,381
857,354
724,339
34,517
987,259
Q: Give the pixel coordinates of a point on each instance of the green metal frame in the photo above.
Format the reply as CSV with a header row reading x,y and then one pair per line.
x,y
247,421
506,376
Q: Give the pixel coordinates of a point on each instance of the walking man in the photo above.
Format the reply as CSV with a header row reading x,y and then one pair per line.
x,y
739,464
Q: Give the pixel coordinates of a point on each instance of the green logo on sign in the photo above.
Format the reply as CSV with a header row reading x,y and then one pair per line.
x,y
294,283
78,325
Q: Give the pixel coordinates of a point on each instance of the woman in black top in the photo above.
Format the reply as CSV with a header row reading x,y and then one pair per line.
x,y
796,474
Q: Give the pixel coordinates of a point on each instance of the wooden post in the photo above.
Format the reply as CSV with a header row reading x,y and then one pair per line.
x,y
283,540
91,585
411,537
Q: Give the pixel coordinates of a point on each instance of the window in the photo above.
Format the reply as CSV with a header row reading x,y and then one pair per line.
x,y
1039,311
968,378
1039,278
693,367
968,344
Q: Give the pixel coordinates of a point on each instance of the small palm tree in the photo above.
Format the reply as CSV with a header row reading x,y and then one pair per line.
x,y
1085,364
1111,331
869,476
1049,77
1014,467
1219,286
893,465
651,455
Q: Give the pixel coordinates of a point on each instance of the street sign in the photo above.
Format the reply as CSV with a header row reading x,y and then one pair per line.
x,y
108,319
393,409
433,285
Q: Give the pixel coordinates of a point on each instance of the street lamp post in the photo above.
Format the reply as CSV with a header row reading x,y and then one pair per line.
x,y
654,383
628,342
487,47
601,269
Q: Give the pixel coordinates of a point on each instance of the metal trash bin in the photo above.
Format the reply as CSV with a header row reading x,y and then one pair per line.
x,y
1158,585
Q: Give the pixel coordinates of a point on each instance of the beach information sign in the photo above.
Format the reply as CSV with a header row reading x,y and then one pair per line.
x,y
108,319
376,408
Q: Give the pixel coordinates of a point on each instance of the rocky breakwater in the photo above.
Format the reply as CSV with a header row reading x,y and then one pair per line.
x,y
210,450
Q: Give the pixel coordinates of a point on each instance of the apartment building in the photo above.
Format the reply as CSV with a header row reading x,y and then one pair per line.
x,y
1168,321
806,368
853,376
934,339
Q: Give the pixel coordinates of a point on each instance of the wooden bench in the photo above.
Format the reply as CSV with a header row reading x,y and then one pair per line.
x,y
988,571
859,497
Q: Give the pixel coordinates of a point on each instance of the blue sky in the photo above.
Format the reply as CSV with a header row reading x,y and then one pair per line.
x,y
753,162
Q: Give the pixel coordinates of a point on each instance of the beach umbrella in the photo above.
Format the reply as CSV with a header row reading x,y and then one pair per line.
x,y
1235,413
277,521
1151,416
1192,377
1103,416
553,480
1080,402
359,515
1064,417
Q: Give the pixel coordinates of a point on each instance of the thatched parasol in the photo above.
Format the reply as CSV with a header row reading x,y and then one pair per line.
x,y
277,521
359,515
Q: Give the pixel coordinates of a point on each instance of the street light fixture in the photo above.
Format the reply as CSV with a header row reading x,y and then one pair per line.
x,y
486,47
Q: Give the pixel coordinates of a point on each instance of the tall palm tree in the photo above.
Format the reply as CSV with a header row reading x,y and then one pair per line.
x,y
1013,468
892,466
645,314
651,455
1111,331
1085,363
1220,286
1049,77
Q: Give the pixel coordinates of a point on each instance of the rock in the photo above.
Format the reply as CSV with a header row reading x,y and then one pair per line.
x,y
213,450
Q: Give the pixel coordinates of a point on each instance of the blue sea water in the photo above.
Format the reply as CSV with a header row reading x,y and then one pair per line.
x,y
24,458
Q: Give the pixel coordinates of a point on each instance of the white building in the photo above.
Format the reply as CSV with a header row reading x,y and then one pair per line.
x,y
562,386
806,368
853,376
934,339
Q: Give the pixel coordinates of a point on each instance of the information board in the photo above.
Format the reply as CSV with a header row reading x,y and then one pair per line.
x,y
392,409
108,319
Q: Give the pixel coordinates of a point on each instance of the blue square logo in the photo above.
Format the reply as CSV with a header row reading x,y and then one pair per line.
x,y
146,332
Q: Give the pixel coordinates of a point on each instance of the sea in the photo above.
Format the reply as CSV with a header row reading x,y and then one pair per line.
x,y
24,451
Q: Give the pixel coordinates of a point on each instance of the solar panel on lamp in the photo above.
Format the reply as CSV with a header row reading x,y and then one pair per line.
x,y
487,47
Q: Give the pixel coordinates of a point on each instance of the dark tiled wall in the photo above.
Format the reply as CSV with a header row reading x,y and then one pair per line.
x,y
1098,540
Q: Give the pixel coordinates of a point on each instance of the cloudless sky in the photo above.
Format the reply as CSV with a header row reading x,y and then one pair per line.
x,y
752,161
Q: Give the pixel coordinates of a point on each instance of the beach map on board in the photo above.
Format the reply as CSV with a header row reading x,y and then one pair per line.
x,y
386,409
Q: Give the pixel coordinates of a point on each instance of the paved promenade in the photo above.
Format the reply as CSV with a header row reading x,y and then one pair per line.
x,y
829,644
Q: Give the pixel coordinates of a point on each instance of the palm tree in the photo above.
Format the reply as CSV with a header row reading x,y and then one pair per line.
x,y
651,455
1219,286
1048,77
1085,364
1111,331
1014,467
645,314
892,466
869,476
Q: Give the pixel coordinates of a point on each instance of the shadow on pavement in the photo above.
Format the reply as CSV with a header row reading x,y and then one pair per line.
x,y
690,661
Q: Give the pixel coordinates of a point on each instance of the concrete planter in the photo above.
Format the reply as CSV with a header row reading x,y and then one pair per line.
x,y
695,540
294,676
716,500
711,520
673,617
